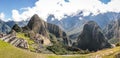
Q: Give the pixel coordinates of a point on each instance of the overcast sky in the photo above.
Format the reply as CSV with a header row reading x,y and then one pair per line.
x,y
18,10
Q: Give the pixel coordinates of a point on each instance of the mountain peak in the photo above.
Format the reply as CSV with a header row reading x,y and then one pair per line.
x,y
36,24
91,23
92,38
35,17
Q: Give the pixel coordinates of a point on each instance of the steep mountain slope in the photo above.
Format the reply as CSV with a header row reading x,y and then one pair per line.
x,y
37,25
112,30
103,19
4,28
92,38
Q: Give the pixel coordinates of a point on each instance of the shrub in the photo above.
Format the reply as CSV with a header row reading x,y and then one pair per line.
x,y
118,44
17,28
57,49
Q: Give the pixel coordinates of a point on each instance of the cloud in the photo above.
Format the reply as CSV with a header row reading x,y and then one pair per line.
x,y
15,15
60,8
2,16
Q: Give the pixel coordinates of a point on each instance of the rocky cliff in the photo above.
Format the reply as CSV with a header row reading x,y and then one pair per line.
x,y
92,38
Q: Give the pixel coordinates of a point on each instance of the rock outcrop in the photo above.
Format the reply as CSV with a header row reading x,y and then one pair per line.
x,y
92,38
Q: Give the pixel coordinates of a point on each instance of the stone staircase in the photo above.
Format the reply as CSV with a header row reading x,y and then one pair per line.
x,y
13,40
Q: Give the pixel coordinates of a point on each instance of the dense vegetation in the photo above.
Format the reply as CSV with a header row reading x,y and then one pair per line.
x,y
60,49
17,28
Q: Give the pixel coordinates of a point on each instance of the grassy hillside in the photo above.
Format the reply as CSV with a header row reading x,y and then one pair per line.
x,y
9,51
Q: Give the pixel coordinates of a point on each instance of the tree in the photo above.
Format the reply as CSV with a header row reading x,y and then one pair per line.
x,y
17,28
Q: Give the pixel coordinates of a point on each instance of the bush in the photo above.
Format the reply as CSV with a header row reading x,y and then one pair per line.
x,y
85,51
57,49
118,44
17,28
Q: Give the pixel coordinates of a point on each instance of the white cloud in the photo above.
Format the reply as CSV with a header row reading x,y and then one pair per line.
x,y
59,8
15,15
2,16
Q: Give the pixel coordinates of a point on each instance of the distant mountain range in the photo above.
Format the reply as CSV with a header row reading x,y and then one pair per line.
x,y
70,33
4,28
74,23
21,23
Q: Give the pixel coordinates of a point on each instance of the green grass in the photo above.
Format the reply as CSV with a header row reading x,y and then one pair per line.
x,y
9,51
99,53
108,53
30,42
22,35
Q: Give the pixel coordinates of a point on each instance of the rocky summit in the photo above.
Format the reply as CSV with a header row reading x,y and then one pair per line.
x,y
37,25
92,38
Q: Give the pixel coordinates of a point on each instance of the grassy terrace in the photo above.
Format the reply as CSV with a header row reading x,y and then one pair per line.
x,y
30,42
22,35
9,51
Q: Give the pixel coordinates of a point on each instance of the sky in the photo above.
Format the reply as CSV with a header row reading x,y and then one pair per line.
x,y
105,1
18,10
